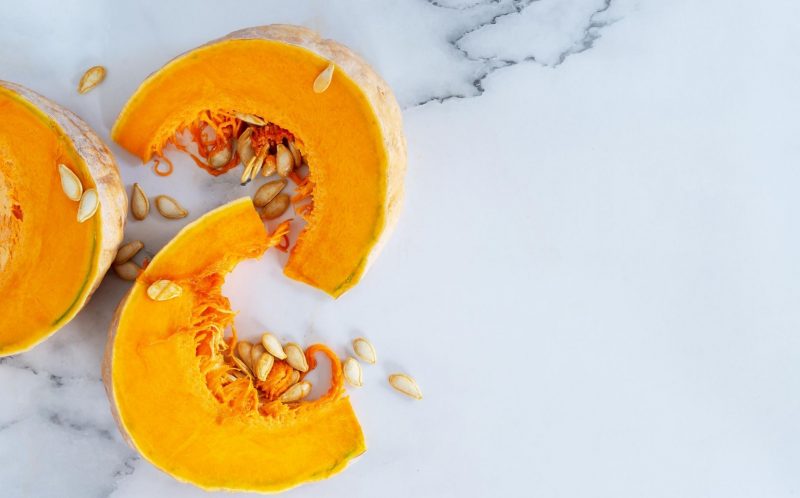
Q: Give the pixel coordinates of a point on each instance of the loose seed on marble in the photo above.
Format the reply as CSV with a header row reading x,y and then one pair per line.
x,y
170,208
406,385
91,78
365,350
127,270
140,205
127,251
352,372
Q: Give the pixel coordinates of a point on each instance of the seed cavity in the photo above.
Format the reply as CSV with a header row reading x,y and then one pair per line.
x,y
352,372
128,251
91,78
140,205
127,270
88,205
164,290
276,207
364,350
273,346
295,357
170,208
323,81
70,183
406,385
296,392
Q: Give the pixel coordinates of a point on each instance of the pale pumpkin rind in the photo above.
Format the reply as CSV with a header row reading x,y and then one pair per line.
x,y
352,134
162,402
49,263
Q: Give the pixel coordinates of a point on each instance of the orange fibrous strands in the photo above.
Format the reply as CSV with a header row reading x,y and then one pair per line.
x,y
236,391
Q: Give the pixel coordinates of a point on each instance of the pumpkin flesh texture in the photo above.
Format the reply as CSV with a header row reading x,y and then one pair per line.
x,y
48,260
342,140
164,402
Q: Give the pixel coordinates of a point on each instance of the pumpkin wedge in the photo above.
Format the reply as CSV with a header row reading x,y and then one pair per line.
x,y
180,391
62,211
279,97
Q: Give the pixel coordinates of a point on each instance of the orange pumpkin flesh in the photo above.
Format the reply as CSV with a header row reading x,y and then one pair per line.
x,y
167,374
49,262
351,134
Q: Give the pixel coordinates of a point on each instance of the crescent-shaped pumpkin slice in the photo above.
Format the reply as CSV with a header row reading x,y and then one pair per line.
x,y
178,393
50,262
349,133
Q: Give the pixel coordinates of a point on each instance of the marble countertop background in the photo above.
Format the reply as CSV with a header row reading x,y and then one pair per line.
x,y
595,279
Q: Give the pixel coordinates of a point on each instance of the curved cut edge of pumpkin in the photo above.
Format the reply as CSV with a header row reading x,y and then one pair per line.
x,y
110,216
320,415
387,115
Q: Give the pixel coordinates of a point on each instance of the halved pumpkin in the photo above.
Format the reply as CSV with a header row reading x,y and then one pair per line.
x,y
50,263
181,397
350,135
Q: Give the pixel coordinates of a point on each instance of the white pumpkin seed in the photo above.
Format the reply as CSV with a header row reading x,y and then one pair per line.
x,y
140,205
276,207
296,156
221,157
127,251
270,166
248,169
352,372
164,290
295,357
273,346
284,160
91,78
294,377
70,183
323,80
365,350
250,118
406,385
88,205
296,392
263,366
256,352
169,208
244,350
242,366
267,192
127,270
244,146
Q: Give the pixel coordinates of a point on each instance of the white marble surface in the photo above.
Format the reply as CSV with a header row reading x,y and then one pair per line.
x,y
595,278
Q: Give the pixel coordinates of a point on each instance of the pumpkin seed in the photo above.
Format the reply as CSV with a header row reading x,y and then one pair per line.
x,y
296,156
244,146
270,166
256,169
70,183
295,357
164,290
221,157
127,251
323,81
276,207
140,205
365,350
250,118
244,349
91,78
406,385
273,346
284,161
263,366
127,270
295,377
242,366
255,353
88,205
248,169
267,192
352,372
169,208
296,392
